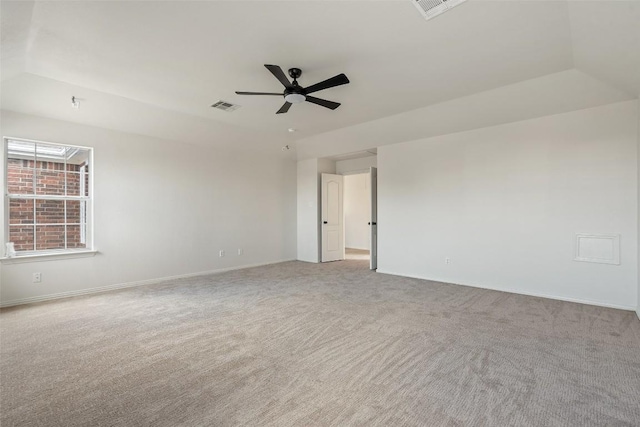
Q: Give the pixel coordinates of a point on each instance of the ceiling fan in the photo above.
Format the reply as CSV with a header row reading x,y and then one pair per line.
x,y
294,93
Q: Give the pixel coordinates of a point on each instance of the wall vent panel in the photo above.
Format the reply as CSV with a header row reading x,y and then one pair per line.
x,y
598,248
432,8
225,106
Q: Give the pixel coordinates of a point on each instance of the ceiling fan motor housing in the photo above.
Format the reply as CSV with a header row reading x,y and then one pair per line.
x,y
295,73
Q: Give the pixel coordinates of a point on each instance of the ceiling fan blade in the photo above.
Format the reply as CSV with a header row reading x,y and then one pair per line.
x,y
279,74
284,108
258,93
338,80
323,102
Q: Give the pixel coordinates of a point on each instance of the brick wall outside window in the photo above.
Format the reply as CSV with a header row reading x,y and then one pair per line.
x,y
50,218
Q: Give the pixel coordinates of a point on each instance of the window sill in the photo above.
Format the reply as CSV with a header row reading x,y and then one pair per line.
x,y
51,256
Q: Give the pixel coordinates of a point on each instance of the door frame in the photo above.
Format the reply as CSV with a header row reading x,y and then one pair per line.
x,y
373,218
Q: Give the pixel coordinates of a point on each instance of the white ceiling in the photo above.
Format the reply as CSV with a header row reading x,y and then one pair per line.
x,y
156,67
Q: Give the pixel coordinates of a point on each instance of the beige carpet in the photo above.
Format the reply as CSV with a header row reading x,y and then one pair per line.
x,y
299,344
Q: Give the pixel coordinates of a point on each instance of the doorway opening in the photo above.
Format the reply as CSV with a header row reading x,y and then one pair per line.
x,y
357,216
348,208
357,254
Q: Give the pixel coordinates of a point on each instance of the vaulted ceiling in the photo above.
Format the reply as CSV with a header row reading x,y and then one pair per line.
x,y
156,67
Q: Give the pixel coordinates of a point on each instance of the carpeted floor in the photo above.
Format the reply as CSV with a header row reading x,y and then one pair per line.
x,y
356,254
299,344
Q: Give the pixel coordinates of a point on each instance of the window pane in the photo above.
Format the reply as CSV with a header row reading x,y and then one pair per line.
x,y
49,181
49,237
75,211
51,152
73,183
77,156
20,164
77,170
22,237
20,176
49,211
20,211
75,237
84,175
51,172
21,150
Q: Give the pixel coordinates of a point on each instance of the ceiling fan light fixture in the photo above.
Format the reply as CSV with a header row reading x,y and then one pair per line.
x,y
296,94
295,98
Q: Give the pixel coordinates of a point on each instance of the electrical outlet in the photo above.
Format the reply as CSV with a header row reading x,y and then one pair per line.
x,y
221,253
37,277
447,260
240,251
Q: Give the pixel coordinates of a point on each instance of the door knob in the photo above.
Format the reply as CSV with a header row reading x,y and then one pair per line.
x,y
324,222
368,223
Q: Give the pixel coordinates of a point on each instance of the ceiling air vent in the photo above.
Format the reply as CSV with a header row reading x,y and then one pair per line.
x,y
432,8
225,106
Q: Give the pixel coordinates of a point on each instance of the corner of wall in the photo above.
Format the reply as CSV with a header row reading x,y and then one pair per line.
x,y
307,212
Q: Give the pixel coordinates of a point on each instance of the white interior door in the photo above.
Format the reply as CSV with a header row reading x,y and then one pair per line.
x,y
332,217
373,229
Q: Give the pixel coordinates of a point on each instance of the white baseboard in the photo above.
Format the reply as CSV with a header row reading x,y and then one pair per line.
x,y
519,292
354,247
107,288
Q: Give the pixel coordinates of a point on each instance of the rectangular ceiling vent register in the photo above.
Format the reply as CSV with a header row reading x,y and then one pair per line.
x,y
432,8
225,106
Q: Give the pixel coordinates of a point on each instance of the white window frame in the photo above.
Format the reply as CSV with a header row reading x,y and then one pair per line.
x,y
87,215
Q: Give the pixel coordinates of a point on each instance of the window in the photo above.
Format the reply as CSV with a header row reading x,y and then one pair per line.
x,y
48,197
